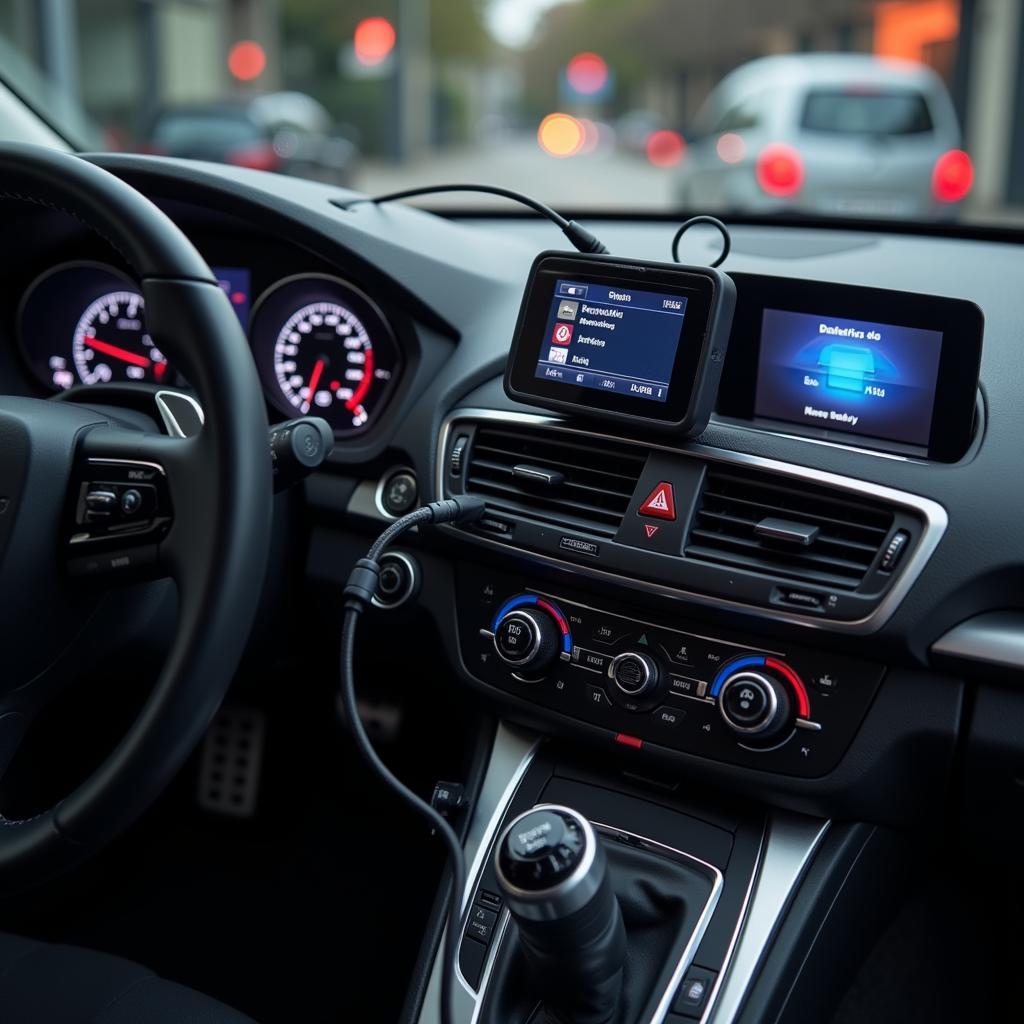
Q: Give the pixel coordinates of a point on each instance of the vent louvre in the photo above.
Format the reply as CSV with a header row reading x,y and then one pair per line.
x,y
596,486
851,530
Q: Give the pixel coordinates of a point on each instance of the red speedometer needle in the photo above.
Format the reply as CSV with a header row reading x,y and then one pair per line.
x,y
314,379
118,353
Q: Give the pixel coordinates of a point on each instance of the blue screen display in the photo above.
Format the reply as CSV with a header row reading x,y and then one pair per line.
x,y
236,284
612,338
873,379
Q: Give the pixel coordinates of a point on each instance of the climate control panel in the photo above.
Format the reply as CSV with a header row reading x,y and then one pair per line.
x,y
660,682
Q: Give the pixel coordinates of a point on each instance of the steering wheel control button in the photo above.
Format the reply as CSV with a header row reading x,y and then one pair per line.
x,y
131,501
634,674
101,501
399,493
660,503
399,580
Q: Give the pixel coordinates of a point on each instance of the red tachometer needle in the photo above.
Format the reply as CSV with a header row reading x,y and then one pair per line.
x,y
118,353
314,379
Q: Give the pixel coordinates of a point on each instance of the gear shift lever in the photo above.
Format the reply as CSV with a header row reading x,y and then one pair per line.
x,y
553,873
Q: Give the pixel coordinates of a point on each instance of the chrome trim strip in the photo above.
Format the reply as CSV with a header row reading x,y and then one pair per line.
x,y
171,424
100,461
790,843
934,515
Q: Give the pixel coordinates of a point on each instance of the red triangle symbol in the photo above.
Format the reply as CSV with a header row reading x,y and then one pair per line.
x,y
660,503
650,530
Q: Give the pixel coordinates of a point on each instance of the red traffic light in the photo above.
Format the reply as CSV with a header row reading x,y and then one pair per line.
x,y
587,73
247,60
373,40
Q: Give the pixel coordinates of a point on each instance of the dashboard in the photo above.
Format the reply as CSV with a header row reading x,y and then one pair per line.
x,y
643,570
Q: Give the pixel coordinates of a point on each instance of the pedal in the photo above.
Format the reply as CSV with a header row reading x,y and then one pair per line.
x,y
231,762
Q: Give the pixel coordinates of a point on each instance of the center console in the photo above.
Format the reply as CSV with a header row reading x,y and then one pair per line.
x,y
659,683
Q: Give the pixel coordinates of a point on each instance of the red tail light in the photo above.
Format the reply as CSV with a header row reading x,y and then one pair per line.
x,y
260,156
952,176
780,170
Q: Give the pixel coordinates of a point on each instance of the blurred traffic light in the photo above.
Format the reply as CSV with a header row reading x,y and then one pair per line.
x,y
561,135
247,60
587,73
373,40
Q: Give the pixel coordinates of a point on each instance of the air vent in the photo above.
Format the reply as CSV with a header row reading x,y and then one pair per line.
x,y
787,528
554,477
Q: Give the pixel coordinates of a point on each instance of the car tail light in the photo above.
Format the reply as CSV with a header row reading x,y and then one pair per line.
x,y
780,170
952,176
260,156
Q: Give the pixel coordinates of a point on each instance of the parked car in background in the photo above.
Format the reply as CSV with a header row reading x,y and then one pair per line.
x,y
827,134
287,132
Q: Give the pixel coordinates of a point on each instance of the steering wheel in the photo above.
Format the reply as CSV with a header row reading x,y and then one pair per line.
x,y
199,514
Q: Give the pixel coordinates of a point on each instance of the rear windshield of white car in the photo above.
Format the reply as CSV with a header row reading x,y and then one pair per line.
x,y
866,111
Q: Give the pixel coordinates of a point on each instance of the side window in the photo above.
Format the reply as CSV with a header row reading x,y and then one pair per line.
x,y
740,117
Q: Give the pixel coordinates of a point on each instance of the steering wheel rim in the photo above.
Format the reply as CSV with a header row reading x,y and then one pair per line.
x,y
219,485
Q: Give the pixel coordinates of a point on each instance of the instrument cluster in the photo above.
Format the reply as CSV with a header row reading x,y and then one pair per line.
x,y
321,346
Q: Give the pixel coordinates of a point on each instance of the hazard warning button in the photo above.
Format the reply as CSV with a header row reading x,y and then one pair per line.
x,y
660,503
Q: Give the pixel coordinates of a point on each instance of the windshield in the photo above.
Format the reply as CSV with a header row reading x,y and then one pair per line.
x,y
892,108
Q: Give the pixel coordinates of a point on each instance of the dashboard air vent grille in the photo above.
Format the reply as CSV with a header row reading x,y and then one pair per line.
x,y
550,476
787,528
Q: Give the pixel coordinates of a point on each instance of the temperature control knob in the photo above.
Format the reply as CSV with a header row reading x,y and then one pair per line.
x,y
527,638
756,705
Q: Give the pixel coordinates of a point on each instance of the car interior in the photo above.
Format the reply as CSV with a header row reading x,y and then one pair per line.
x,y
502,615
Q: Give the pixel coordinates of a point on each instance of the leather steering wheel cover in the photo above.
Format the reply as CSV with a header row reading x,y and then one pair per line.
x,y
138,229
223,526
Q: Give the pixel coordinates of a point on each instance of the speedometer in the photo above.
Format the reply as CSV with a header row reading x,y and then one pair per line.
x,y
110,342
323,348
323,361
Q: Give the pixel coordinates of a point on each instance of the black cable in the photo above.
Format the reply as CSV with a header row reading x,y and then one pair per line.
x,y
703,219
581,238
359,591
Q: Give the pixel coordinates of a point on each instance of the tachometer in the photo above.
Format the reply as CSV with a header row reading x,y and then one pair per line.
x,y
323,348
110,342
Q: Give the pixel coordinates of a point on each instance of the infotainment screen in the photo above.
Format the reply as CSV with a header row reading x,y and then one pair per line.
x,y
613,339
623,339
865,367
867,378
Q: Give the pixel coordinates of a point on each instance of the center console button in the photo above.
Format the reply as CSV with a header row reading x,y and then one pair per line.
x,y
747,700
634,674
669,718
516,637
597,696
592,660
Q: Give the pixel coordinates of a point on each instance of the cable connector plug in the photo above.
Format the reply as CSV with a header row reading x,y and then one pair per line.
x,y
582,239
362,583
464,508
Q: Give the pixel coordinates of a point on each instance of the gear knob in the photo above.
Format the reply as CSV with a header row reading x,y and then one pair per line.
x,y
553,873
